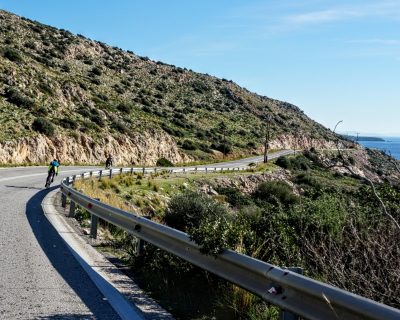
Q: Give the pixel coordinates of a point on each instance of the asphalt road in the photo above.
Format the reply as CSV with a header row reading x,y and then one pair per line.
x,y
39,277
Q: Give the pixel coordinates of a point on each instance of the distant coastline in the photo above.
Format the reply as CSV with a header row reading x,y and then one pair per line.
x,y
390,145
364,138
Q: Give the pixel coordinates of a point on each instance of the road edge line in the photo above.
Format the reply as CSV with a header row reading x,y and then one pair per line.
x,y
102,272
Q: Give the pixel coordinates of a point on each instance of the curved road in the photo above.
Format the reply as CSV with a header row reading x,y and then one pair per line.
x,y
39,277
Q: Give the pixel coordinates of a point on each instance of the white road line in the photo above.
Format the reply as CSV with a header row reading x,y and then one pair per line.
x,y
39,174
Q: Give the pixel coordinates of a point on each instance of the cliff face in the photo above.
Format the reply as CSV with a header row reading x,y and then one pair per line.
x,y
144,149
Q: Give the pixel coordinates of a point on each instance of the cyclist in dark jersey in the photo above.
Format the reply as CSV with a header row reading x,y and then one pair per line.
x,y
109,162
52,170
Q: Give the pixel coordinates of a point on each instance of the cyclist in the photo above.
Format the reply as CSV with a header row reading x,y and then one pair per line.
x,y
109,162
53,170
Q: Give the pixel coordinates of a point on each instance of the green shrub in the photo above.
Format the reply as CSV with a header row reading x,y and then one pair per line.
x,y
97,118
234,196
162,162
283,162
96,71
274,192
30,45
41,111
43,125
119,126
225,148
82,214
296,163
251,144
66,68
206,221
189,145
200,87
307,179
15,97
124,107
320,217
12,55
189,209
68,123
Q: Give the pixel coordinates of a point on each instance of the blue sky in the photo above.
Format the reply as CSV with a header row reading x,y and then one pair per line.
x,y
336,60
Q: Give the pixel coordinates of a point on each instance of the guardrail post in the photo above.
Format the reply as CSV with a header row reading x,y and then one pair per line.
x,y
195,169
184,170
138,245
155,170
131,170
110,176
143,170
82,176
71,209
120,171
206,169
100,174
286,315
63,200
93,226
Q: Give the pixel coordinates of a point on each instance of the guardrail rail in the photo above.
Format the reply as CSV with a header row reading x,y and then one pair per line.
x,y
290,291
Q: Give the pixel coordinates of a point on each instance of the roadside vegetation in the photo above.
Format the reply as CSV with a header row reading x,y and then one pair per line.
x,y
300,211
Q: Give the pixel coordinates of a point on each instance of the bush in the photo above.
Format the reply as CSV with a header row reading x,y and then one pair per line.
x,y
251,144
234,196
189,145
297,163
43,125
68,123
162,162
12,55
96,118
124,107
15,97
307,179
96,71
119,126
207,222
200,87
275,192
225,148
283,162
189,209
41,111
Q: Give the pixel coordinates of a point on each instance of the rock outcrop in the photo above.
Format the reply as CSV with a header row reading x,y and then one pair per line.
x,y
144,149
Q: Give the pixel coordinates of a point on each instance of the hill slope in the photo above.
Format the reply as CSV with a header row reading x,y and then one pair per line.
x,y
79,99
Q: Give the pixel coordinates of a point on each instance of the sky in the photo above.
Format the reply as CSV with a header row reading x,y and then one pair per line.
x,y
335,59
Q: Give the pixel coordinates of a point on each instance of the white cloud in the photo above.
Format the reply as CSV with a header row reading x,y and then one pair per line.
x,y
387,9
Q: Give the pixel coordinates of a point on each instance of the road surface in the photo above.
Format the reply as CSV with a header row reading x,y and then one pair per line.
x,y
39,277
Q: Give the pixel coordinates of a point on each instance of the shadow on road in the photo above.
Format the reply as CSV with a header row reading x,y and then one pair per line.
x,y
64,262
23,187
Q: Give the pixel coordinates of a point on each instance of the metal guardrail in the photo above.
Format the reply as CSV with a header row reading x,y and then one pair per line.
x,y
290,291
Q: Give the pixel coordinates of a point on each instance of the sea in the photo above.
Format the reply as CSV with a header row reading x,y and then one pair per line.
x,y
389,145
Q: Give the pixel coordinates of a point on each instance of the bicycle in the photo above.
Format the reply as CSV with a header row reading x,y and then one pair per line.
x,y
49,179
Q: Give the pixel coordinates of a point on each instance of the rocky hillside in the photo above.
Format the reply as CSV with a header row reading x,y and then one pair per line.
x,y
65,95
